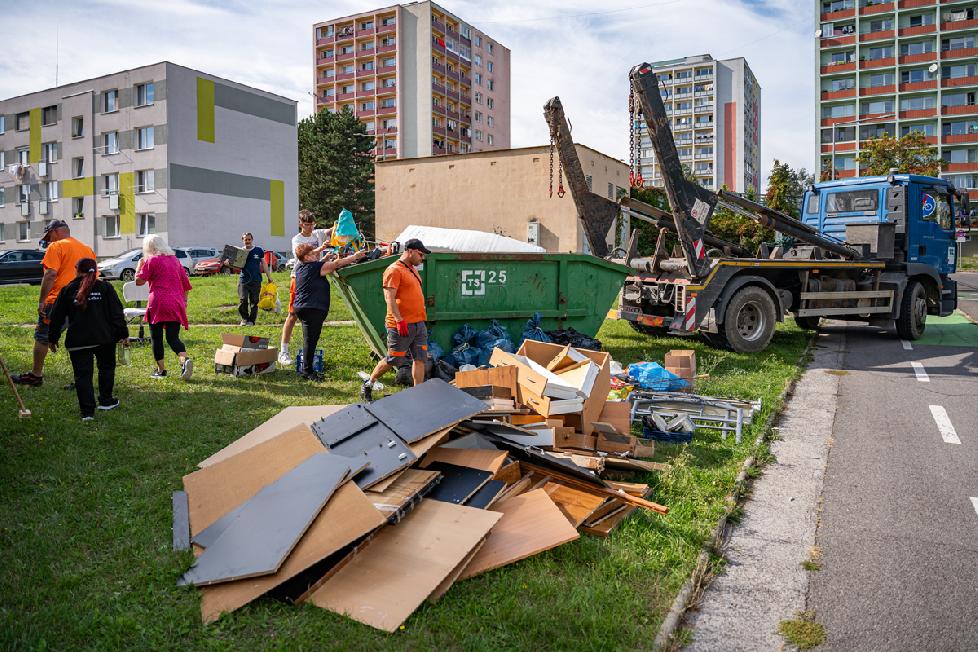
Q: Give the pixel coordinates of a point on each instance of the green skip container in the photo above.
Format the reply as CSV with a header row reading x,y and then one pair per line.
x,y
568,290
